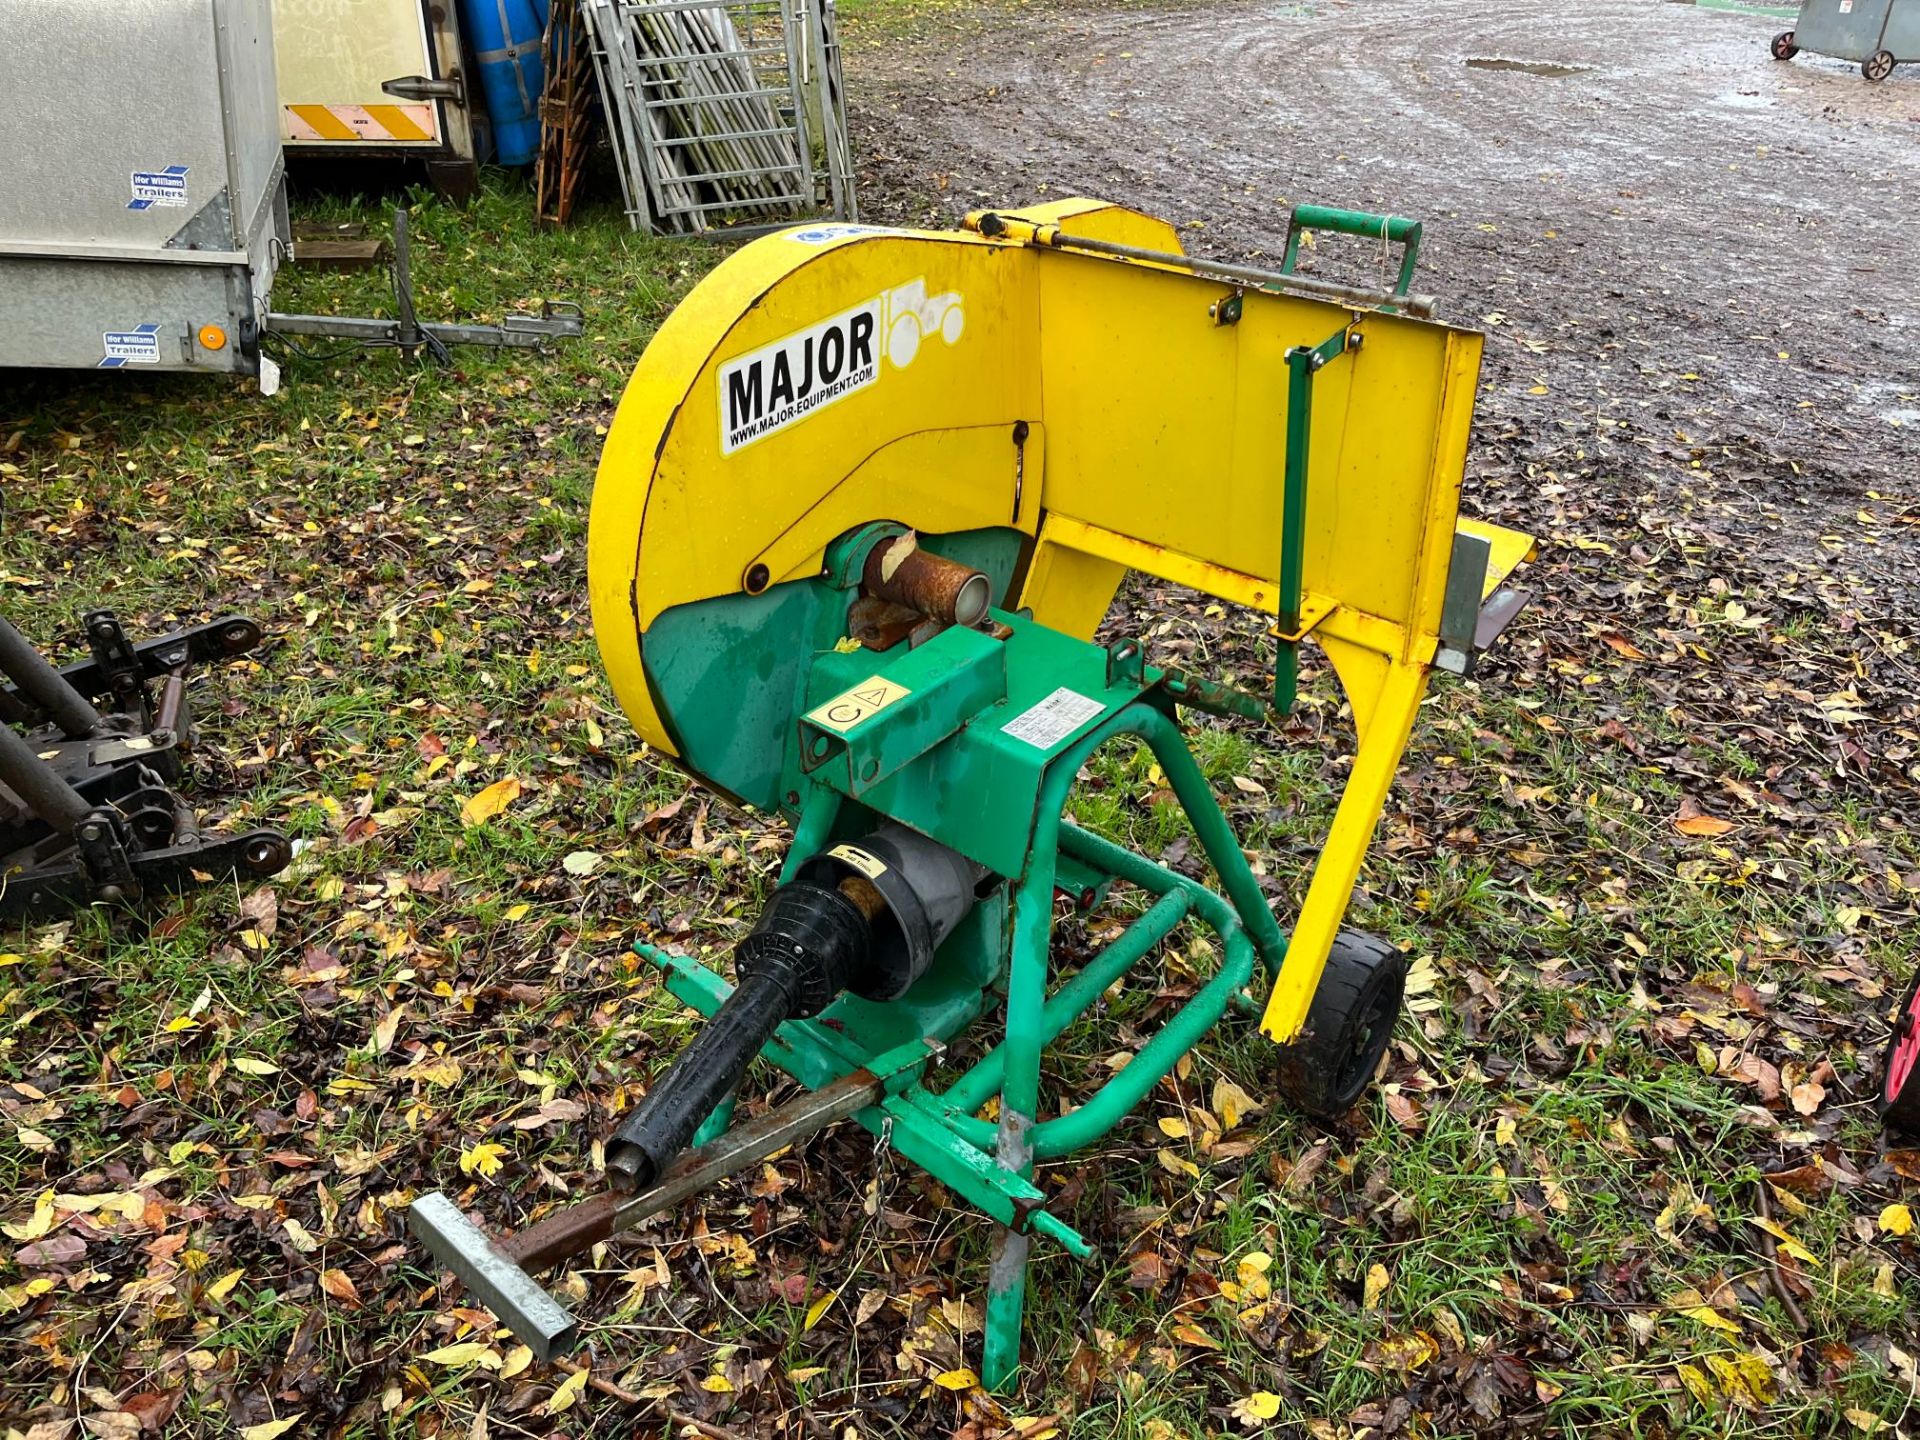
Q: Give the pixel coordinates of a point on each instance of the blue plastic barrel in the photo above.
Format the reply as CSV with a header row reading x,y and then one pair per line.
x,y
504,36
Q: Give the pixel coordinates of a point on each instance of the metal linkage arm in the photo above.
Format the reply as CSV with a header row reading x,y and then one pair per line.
x,y
499,1273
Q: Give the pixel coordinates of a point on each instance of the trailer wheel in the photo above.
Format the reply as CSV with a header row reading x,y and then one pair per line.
x,y
1900,1082
1877,66
1783,46
1330,1065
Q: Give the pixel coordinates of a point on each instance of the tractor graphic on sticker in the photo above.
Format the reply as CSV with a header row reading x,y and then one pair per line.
x,y
912,315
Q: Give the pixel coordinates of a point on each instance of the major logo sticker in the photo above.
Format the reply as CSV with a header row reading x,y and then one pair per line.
x,y
138,346
784,382
159,189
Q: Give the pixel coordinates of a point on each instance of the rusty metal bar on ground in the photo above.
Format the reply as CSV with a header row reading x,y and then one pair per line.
x,y
499,1273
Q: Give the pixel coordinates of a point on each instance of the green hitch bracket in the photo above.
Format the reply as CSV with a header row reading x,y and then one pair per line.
x,y
1388,229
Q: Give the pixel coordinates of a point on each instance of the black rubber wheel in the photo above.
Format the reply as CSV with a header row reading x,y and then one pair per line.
x,y
1330,1065
1783,46
1877,66
1900,1075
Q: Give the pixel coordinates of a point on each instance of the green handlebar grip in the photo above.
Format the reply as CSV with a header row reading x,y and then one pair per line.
x,y
1394,229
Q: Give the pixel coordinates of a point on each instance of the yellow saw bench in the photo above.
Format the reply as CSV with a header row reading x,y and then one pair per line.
x,y
868,496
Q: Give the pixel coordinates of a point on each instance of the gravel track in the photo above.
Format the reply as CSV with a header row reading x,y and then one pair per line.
x,y
1677,245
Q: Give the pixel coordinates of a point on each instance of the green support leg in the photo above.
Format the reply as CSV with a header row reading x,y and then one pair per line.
x,y
1032,922
1006,1303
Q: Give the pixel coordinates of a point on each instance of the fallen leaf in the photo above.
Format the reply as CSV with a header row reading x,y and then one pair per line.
x,y
483,1159
1255,1410
567,1392
1232,1104
1377,1281
1896,1220
1692,820
817,1309
36,1224
490,802
269,1429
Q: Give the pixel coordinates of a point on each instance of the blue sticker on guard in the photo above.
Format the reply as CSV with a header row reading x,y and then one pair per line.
x,y
138,346
165,188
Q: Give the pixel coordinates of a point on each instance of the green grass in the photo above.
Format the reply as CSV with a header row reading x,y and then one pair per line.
x,y
1560,1154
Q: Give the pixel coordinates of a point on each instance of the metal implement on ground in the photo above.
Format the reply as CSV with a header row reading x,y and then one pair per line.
x,y
1875,34
867,498
408,333
88,805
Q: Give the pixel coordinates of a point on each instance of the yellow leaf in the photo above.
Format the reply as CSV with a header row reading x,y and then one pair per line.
x,y
269,1429
817,1309
1711,1317
301,1237
490,802
1897,1220
718,1384
248,1065
1702,825
1377,1281
1695,1379
1232,1104
467,1352
517,1360
1174,1165
484,1158
1408,1352
1252,1273
1787,1243
1193,1335
1173,1127
1865,1421
179,1023
568,1392
1257,1408
36,1224
1504,1130
1883,1282
517,912
220,1288
957,1380
806,1373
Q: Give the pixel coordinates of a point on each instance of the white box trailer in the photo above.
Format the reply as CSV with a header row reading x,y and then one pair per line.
x,y
382,78
143,214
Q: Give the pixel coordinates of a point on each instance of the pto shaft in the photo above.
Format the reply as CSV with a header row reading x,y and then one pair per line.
x,y
864,917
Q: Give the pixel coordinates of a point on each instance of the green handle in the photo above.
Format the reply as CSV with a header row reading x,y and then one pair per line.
x,y
1393,229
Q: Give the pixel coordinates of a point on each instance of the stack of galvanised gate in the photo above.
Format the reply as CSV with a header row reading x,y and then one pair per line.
x,y
723,112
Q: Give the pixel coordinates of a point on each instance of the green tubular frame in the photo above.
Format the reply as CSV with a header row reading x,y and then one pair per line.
x,y
1392,229
991,1164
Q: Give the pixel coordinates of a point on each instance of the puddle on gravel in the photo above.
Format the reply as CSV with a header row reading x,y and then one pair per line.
x,y
1530,67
